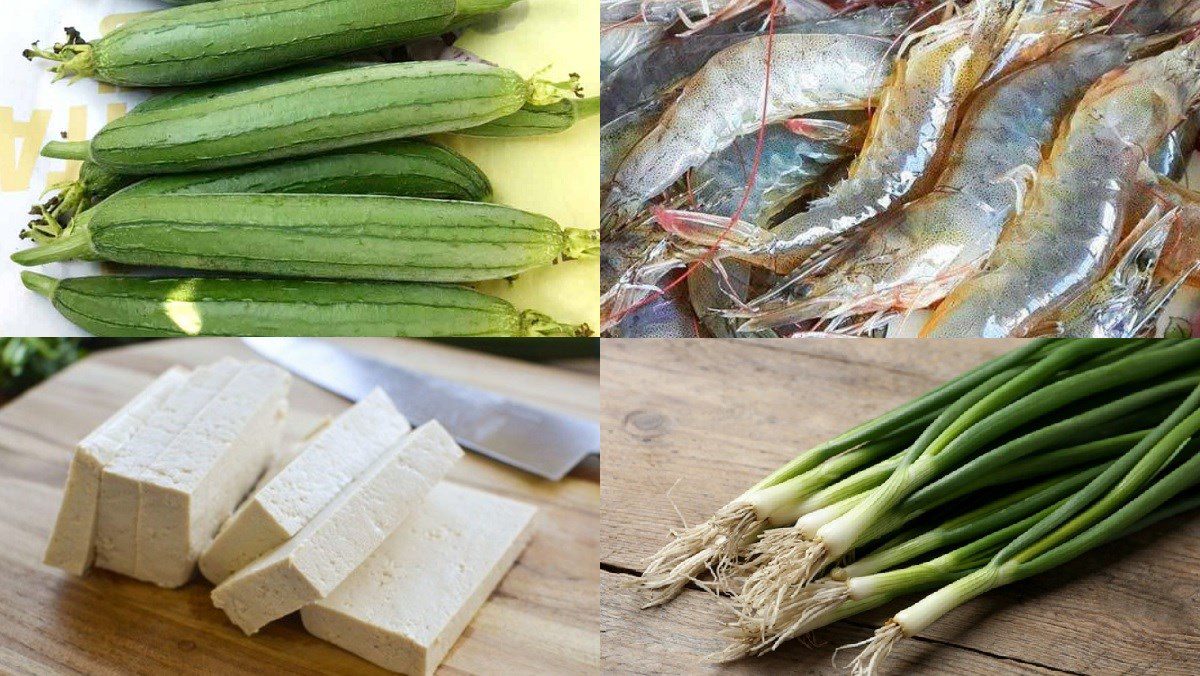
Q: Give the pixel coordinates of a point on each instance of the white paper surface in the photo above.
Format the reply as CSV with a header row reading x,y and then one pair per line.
x,y
33,111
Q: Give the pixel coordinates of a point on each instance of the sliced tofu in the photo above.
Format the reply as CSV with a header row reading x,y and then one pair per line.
x,y
197,481
326,550
71,543
326,464
197,456
404,608
116,528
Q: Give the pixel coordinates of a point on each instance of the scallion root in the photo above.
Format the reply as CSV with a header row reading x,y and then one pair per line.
x,y
750,634
780,579
713,547
878,648
796,616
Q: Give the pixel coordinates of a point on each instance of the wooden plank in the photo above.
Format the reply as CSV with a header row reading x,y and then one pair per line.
x,y
543,616
689,426
675,638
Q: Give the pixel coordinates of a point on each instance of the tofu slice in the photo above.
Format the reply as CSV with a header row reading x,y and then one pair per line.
x,y
116,526
404,608
197,481
71,543
327,549
326,464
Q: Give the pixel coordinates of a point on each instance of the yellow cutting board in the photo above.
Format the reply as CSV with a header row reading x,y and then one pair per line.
x,y
558,175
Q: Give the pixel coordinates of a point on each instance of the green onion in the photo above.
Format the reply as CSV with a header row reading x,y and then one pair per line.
x,y
790,558
715,545
1121,495
1011,469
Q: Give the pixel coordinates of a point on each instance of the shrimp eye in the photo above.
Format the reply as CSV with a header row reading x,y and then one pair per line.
x,y
1144,261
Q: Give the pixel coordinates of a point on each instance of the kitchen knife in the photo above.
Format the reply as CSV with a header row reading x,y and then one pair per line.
x,y
539,441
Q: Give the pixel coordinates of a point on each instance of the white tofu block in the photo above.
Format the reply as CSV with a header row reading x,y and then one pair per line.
x,y
71,543
116,526
328,549
326,464
197,481
404,608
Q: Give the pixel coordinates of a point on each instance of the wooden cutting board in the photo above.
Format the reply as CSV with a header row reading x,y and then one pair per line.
x,y
688,425
542,619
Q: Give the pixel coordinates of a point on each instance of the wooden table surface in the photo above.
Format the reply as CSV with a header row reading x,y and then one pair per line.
x,y
542,619
689,425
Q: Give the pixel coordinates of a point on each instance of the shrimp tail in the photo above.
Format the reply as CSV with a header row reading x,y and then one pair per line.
x,y
830,131
783,314
740,239
808,276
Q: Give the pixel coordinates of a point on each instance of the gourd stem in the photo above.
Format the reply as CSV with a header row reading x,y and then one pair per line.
x,y
43,285
544,93
68,150
581,243
74,246
75,60
589,107
471,8
538,325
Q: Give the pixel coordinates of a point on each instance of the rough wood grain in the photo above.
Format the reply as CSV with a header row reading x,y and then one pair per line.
x,y
689,425
675,638
541,619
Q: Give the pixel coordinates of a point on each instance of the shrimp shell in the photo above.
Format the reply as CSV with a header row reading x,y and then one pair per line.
x,y
1171,157
1062,241
668,315
623,41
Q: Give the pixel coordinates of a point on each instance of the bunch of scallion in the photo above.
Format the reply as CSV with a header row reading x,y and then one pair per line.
x,y
1006,471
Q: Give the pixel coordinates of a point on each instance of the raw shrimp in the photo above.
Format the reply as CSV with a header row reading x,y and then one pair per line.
x,y
1043,27
668,315
635,260
1148,16
791,163
793,157
808,73
1063,239
913,256
905,145
670,11
716,285
619,136
649,75
621,42
1126,302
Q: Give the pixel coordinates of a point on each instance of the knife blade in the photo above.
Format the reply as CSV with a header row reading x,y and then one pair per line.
x,y
534,439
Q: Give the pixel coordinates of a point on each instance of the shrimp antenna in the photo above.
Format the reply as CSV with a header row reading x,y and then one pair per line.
x,y
910,33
